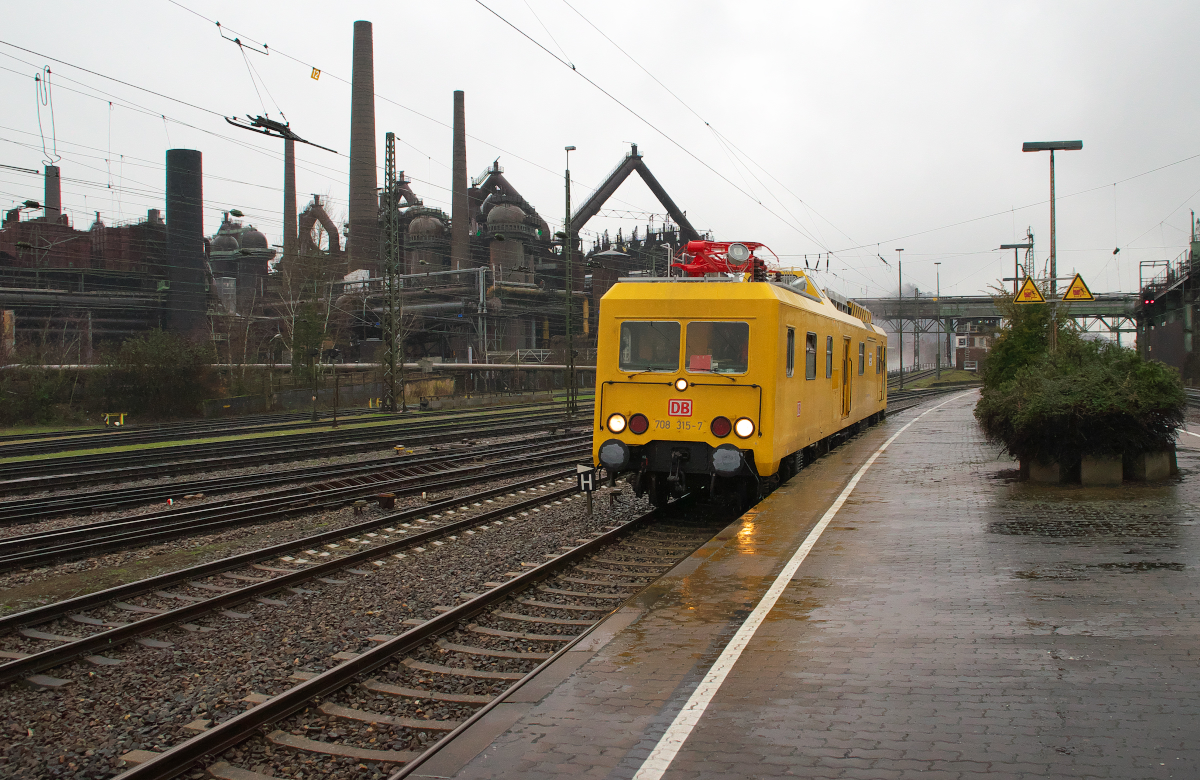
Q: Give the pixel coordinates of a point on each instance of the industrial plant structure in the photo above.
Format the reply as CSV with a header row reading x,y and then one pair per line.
x,y
484,284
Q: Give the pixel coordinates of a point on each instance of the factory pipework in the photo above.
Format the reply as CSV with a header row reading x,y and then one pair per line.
x,y
52,200
460,233
363,245
186,300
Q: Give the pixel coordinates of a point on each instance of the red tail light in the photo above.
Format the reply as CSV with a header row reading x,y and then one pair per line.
x,y
639,424
720,427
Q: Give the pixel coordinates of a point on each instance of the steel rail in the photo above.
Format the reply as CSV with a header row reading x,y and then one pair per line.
x,y
117,636
288,453
26,509
225,735
400,426
67,606
120,437
258,511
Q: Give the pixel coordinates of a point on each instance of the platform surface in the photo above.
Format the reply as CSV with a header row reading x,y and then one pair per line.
x,y
948,623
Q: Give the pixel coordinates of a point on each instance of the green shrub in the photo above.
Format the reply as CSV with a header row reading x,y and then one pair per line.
x,y
158,374
1090,398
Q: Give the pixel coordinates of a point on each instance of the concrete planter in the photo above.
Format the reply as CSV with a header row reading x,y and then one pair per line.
x,y
1100,471
1042,473
1104,471
1151,466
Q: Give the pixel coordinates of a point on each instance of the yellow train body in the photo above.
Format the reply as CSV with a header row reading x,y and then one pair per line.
x,y
801,369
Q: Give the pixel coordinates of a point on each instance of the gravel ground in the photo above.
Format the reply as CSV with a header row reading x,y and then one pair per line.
x,y
81,729
261,755
26,588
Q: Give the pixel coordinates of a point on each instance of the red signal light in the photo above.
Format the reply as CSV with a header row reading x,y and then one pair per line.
x,y
639,424
720,427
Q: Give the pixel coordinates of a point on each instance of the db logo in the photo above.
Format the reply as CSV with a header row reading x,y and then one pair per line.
x,y
679,407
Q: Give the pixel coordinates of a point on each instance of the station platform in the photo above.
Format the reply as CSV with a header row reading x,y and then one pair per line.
x,y
925,617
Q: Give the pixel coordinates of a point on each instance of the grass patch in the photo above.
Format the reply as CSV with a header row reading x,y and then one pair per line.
x,y
354,423
948,375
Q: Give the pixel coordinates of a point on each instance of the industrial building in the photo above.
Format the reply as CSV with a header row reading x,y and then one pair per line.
x,y
485,283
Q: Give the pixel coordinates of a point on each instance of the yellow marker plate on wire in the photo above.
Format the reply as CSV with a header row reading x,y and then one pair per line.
x,y
1029,293
316,74
1078,291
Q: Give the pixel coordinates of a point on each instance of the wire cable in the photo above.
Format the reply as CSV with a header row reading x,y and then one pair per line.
x,y
44,98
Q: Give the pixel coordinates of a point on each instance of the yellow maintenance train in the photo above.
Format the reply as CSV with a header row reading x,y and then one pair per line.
x,y
724,379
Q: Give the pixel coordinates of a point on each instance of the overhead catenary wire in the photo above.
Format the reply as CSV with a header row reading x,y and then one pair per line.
x,y
647,122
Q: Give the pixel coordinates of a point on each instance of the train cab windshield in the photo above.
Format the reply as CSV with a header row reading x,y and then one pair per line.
x,y
718,347
649,346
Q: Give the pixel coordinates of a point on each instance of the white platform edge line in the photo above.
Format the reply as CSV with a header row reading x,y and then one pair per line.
x,y
672,740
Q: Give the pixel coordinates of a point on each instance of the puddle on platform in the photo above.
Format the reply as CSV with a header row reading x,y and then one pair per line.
x,y
1082,571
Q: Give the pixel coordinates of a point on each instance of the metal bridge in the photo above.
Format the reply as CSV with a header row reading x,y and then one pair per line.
x,y
1114,313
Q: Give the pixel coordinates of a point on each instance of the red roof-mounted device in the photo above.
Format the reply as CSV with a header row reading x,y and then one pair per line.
x,y
736,257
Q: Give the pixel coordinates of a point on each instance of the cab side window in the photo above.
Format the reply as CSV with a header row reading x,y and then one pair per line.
x,y
810,356
828,357
878,360
862,358
791,351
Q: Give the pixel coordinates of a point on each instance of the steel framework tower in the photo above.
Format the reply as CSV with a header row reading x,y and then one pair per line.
x,y
393,312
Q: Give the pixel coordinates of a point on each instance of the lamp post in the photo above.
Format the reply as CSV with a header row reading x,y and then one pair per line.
x,y
569,285
1052,147
900,310
937,267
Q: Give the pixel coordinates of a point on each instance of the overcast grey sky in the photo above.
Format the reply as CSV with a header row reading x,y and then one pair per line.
x,y
877,124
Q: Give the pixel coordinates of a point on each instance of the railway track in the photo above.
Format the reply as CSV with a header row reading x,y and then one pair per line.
x,y
468,658
911,376
44,547
900,400
51,473
24,445
107,620
26,510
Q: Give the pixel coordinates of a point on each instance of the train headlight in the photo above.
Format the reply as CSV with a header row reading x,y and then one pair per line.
x,y
681,384
616,423
720,427
639,424
744,428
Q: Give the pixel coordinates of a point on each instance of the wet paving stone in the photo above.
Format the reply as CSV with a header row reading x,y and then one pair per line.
x,y
951,622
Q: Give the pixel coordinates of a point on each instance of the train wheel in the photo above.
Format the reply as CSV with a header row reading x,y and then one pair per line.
x,y
747,494
659,491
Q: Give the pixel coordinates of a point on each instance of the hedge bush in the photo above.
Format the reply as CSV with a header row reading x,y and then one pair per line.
x,y
1088,398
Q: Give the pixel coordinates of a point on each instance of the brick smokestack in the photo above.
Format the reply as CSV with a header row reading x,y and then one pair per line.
x,y
460,236
289,199
364,199
52,200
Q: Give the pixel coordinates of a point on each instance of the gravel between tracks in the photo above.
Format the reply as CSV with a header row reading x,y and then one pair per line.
x,y
81,729
26,588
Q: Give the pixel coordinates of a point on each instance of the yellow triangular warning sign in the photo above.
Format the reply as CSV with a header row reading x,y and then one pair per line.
x,y
1029,293
1078,291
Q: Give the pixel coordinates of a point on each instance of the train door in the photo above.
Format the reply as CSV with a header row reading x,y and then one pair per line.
x,y
846,396
879,370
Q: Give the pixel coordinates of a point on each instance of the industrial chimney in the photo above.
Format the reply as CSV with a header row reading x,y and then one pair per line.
x,y
52,201
460,234
363,245
186,300
289,200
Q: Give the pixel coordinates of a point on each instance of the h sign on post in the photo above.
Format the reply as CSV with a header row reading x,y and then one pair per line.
x,y
588,479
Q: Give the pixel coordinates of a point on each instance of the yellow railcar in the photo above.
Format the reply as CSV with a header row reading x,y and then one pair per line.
x,y
721,384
